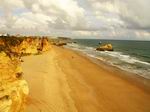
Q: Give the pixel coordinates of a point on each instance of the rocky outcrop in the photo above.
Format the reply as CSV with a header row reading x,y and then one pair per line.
x,y
60,43
65,39
106,47
2,42
44,45
29,46
34,45
25,45
13,88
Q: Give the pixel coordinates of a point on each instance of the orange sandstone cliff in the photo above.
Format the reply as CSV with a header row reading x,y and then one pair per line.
x,y
32,46
13,87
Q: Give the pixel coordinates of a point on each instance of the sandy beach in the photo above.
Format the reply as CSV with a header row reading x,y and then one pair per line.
x,y
62,80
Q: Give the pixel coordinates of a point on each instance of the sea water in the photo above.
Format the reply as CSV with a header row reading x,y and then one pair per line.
x,y
133,56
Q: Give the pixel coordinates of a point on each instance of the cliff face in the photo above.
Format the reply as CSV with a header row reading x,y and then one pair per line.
x,y
29,46
45,46
32,46
13,88
1,42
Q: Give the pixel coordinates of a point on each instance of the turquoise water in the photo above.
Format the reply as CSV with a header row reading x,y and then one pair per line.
x,y
133,56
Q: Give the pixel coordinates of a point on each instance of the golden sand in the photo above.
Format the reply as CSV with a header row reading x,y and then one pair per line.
x,y
62,80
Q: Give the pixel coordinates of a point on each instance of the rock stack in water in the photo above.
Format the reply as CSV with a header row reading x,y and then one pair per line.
x,y
13,88
106,47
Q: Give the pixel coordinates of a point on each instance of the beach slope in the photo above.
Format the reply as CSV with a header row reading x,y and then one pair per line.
x,y
62,80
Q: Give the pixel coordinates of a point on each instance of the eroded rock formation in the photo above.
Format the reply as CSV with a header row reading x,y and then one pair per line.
x,y
34,45
2,42
13,88
43,44
29,46
106,47
25,45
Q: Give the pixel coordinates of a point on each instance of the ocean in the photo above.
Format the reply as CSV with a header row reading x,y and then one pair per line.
x,y
128,55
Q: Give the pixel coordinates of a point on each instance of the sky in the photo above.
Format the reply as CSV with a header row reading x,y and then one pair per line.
x,y
100,19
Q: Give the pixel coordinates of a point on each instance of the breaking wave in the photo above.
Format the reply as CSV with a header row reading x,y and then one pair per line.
x,y
115,58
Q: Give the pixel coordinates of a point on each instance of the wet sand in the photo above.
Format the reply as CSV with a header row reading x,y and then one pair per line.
x,y
62,80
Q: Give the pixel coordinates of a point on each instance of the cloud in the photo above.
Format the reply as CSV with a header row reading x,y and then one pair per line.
x,y
135,13
123,13
7,7
118,19
64,14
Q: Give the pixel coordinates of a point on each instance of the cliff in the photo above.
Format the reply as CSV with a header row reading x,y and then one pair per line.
x,y
13,88
28,46
24,45
43,44
34,45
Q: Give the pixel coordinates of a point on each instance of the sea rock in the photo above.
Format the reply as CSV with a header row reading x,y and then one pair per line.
x,y
106,47
13,88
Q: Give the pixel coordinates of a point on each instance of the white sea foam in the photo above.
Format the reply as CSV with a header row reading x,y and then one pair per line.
x,y
119,55
125,58
118,59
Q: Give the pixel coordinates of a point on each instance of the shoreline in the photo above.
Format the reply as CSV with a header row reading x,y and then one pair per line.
x,y
121,57
67,81
142,82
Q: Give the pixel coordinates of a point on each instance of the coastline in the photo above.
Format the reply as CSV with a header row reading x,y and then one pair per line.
x,y
133,78
65,80
123,57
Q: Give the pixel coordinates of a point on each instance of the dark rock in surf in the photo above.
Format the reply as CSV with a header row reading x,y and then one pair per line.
x,y
106,47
